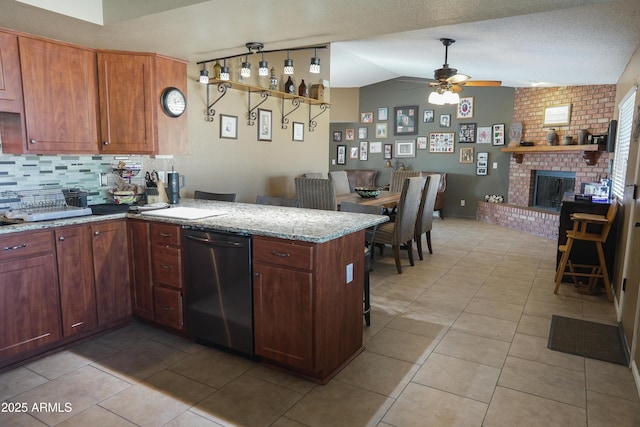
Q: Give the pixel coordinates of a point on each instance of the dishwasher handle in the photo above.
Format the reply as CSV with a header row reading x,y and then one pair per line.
x,y
210,242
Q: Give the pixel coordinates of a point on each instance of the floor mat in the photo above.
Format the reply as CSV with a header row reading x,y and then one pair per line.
x,y
588,339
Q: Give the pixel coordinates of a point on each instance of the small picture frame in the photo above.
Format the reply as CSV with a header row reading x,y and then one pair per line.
x,y
484,135
405,148
557,115
341,155
350,135
465,108
421,143
466,154
381,130
375,147
481,171
445,120
405,120
364,153
366,117
387,153
298,131
441,142
362,133
467,133
353,153
482,164
337,136
428,116
383,114
498,134
264,125
228,126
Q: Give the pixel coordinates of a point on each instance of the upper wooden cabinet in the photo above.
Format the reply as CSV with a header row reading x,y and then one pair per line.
x,y
131,120
10,78
60,103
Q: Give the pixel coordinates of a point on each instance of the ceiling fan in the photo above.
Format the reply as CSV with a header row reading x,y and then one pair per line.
x,y
448,79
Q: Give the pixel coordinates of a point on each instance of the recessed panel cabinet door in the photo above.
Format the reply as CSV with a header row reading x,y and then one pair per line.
x,y
60,97
29,305
10,80
75,276
126,97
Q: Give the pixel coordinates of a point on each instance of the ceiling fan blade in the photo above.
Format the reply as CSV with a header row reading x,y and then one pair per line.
x,y
456,88
482,83
458,78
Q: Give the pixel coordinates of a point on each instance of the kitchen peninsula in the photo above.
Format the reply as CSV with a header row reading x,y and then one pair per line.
x,y
308,273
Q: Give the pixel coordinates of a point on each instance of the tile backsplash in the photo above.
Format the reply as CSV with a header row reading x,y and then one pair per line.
x,y
31,172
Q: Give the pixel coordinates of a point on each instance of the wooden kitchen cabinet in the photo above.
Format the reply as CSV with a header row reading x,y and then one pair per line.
x,y
60,97
30,314
131,119
302,297
10,77
140,259
111,271
76,279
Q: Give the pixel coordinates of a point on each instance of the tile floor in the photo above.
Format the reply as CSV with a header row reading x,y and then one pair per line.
x,y
458,340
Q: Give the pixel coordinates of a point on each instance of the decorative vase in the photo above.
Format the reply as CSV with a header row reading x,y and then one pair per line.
x,y
552,137
583,136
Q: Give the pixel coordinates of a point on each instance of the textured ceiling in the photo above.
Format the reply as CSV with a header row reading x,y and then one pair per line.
x,y
554,42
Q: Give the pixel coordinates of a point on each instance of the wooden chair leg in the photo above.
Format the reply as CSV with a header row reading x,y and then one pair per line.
x,y
410,251
605,272
429,242
418,240
396,255
563,264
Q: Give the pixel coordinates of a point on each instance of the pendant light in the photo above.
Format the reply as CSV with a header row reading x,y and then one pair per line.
x,y
315,63
245,71
288,65
224,71
204,76
263,67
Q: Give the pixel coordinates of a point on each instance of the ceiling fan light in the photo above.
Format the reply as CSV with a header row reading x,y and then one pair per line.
x,y
436,98
450,97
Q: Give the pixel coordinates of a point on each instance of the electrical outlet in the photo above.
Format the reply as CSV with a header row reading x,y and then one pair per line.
x,y
162,175
495,165
349,273
462,202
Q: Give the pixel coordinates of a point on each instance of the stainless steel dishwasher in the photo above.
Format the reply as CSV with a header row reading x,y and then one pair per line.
x,y
219,305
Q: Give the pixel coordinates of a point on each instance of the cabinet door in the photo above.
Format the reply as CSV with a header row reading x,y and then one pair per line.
x,y
168,307
60,103
30,314
75,277
10,79
126,103
111,270
140,257
283,316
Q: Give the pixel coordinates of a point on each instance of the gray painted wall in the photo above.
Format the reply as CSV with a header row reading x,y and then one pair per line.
x,y
491,106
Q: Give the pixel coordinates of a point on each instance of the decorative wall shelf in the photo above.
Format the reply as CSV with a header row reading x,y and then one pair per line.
x,y
222,86
590,152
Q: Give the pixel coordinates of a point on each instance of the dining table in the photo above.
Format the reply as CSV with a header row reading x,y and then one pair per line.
x,y
386,199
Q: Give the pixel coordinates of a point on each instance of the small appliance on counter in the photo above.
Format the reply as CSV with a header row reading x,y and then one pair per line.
x,y
40,205
596,192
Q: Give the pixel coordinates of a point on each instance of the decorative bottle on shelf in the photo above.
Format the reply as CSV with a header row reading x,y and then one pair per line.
x,y
289,87
273,81
302,89
552,137
216,70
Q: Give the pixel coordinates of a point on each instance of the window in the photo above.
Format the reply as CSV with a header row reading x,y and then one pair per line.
x,y
625,122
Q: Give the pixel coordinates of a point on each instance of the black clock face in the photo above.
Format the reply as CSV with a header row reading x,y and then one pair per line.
x,y
173,102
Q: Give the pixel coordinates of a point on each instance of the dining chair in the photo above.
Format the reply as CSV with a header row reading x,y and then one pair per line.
x,y
398,177
424,220
588,228
316,193
341,182
223,197
402,230
314,175
368,250
276,201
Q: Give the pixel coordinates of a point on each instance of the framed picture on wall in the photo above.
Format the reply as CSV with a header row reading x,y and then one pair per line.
x,y
405,120
341,155
298,131
366,117
466,154
264,125
441,142
350,135
428,116
498,134
387,152
362,133
381,130
445,120
228,126
405,148
465,108
353,153
383,114
364,152
467,132
484,135
337,136
421,143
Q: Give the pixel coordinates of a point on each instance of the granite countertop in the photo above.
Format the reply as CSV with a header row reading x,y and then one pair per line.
x,y
309,225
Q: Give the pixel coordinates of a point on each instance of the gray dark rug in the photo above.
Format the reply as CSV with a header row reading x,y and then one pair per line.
x,y
588,339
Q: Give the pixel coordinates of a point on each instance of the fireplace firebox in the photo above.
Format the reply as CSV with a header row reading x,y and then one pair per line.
x,y
550,187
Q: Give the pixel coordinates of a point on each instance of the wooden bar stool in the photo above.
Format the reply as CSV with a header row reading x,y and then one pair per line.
x,y
583,230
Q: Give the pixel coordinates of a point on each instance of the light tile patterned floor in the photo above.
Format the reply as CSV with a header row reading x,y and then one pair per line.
x,y
458,340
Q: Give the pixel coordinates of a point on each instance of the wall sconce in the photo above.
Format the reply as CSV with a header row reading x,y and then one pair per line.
x,y
288,65
315,63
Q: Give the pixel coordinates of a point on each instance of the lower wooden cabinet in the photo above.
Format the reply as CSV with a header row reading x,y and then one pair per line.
x,y
76,279
140,259
168,307
29,298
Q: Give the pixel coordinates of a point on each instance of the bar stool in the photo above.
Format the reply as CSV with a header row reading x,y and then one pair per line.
x,y
583,230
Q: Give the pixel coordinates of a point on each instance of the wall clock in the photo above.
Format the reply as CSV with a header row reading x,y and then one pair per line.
x,y
173,102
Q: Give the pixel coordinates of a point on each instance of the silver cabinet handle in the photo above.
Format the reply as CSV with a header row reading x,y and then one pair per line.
x,y
32,141
105,142
96,233
166,266
280,254
13,248
61,238
166,235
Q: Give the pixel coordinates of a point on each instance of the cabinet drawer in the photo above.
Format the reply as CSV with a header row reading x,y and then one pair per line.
x,y
288,253
168,307
19,245
167,266
165,234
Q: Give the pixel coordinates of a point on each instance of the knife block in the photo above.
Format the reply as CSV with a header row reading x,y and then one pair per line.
x,y
157,194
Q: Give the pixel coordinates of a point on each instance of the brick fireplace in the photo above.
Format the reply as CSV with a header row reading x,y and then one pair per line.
x,y
592,109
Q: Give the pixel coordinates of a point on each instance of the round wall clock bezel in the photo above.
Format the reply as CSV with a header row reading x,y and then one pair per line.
x,y
167,106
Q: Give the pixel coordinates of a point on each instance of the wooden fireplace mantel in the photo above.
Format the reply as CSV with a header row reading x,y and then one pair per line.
x,y
590,152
